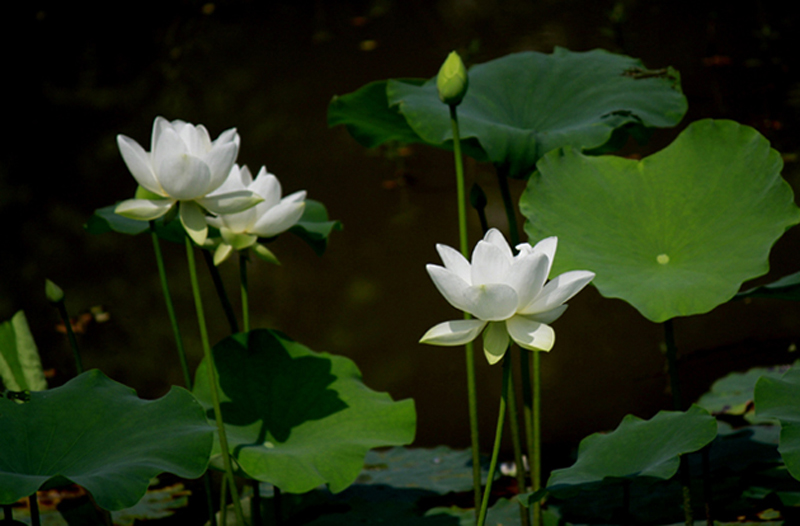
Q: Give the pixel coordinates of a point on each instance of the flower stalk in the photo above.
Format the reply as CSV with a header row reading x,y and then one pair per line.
x,y
498,436
452,83
212,383
176,332
56,296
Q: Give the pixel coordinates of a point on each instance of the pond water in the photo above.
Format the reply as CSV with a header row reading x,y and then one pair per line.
x,y
270,70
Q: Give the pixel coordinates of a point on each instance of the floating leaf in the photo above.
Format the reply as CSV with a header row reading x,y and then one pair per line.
x,y
674,234
638,448
779,398
20,365
314,227
298,419
97,433
786,288
505,512
440,470
733,394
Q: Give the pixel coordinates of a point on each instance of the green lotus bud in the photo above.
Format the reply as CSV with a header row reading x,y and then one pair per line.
x,y
452,81
53,292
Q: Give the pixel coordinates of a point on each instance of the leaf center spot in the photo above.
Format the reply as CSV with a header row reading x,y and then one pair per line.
x,y
662,259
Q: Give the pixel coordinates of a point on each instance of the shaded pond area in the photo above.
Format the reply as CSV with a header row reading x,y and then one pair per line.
x,y
270,70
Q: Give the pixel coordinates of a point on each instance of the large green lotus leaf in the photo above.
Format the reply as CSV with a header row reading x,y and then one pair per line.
x,y
298,419
638,448
521,106
674,234
779,398
97,433
786,288
440,470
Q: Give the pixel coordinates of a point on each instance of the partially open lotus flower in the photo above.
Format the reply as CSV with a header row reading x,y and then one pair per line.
x,y
506,294
183,166
269,218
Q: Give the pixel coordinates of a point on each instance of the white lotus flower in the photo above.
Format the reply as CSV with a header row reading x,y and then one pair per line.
x,y
183,166
267,219
505,293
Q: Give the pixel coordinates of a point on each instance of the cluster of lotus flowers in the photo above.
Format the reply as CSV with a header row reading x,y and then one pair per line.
x,y
186,169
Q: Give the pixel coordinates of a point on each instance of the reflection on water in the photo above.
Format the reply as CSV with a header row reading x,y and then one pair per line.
x,y
270,70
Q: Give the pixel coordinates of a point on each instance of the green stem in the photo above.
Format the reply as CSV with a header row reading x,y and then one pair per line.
x,y
498,436
73,343
531,377
513,421
672,365
677,403
212,382
469,354
243,287
34,503
255,504
176,332
230,315
536,433
508,205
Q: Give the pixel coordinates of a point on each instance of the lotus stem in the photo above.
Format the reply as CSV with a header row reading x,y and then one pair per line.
x,y
220,288
212,382
498,436
243,287
677,403
531,377
34,504
469,354
513,421
176,332
73,342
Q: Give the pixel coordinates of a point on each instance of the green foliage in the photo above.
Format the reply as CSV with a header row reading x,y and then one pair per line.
x,y
786,288
440,470
638,448
97,433
733,394
20,366
778,398
521,106
314,227
674,234
298,419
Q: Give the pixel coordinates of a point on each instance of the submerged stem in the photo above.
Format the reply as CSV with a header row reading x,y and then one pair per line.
x,y
498,436
469,354
212,383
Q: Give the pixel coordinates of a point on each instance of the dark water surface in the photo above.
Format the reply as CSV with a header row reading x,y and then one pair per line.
x,y
270,70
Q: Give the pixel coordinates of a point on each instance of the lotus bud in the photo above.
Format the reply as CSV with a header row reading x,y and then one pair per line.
x,y
53,292
452,81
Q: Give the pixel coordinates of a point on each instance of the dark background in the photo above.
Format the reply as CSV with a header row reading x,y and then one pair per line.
x,y
79,74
